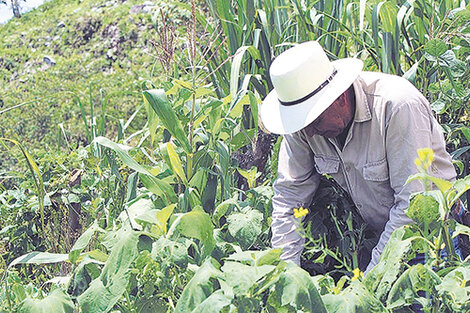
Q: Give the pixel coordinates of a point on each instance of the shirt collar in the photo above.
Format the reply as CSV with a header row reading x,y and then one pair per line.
x,y
362,106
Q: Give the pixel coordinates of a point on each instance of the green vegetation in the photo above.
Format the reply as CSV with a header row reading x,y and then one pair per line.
x,y
143,181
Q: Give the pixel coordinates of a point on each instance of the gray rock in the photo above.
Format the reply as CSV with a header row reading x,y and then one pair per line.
x,y
111,54
145,7
49,60
61,24
135,9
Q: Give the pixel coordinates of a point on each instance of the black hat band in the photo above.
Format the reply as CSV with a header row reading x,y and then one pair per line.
x,y
322,85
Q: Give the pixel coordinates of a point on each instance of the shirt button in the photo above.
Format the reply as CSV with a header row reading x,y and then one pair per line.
x,y
348,168
359,206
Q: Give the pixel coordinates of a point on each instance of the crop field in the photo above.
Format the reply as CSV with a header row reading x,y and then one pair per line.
x,y
136,175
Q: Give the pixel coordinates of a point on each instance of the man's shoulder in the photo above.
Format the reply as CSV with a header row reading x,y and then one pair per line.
x,y
389,90
386,84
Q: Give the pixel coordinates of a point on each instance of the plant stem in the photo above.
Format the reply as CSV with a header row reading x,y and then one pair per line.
x,y
353,241
438,246
192,46
449,243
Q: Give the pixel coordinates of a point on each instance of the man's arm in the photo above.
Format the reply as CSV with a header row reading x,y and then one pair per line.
x,y
410,127
295,186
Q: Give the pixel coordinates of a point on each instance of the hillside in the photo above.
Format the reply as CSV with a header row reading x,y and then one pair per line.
x,y
68,51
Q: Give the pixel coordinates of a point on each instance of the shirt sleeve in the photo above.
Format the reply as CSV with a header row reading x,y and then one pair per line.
x,y
295,186
411,126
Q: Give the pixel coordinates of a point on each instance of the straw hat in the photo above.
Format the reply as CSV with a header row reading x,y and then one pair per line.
x,y
305,83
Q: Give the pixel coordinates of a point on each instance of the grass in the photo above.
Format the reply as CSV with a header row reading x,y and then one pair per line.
x,y
101,52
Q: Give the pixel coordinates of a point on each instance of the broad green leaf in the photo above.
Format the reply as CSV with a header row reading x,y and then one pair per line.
x,y
236,109
257,258
381,278
461,230
201,92
405,289
454,289
101,298
159,102
40,258
163,215
438,106
150,304
466,132
440,183
121,151
448,59
242,138
198,180
222,208
82,275
83,241
250,175
435,47
159,187
183,84
217,127
410,74
173,252
137,208
245,227
196,224
460,186
199,288
356,298
108,288
132,182
243,277
56,302
214,303
295,288
175,161
98,255
157,217
209,193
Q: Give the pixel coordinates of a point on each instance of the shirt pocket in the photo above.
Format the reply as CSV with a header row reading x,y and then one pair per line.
x,y
326,165
376,171
377,177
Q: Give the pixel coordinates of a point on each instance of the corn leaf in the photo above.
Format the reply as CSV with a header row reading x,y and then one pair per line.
x,y
175,163
122,153
37,257
160,104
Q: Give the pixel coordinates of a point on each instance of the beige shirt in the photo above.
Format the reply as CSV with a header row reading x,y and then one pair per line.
x,y
392,120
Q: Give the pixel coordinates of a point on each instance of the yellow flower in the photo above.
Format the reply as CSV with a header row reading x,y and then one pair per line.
x,y
300,212
357,273
425,158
